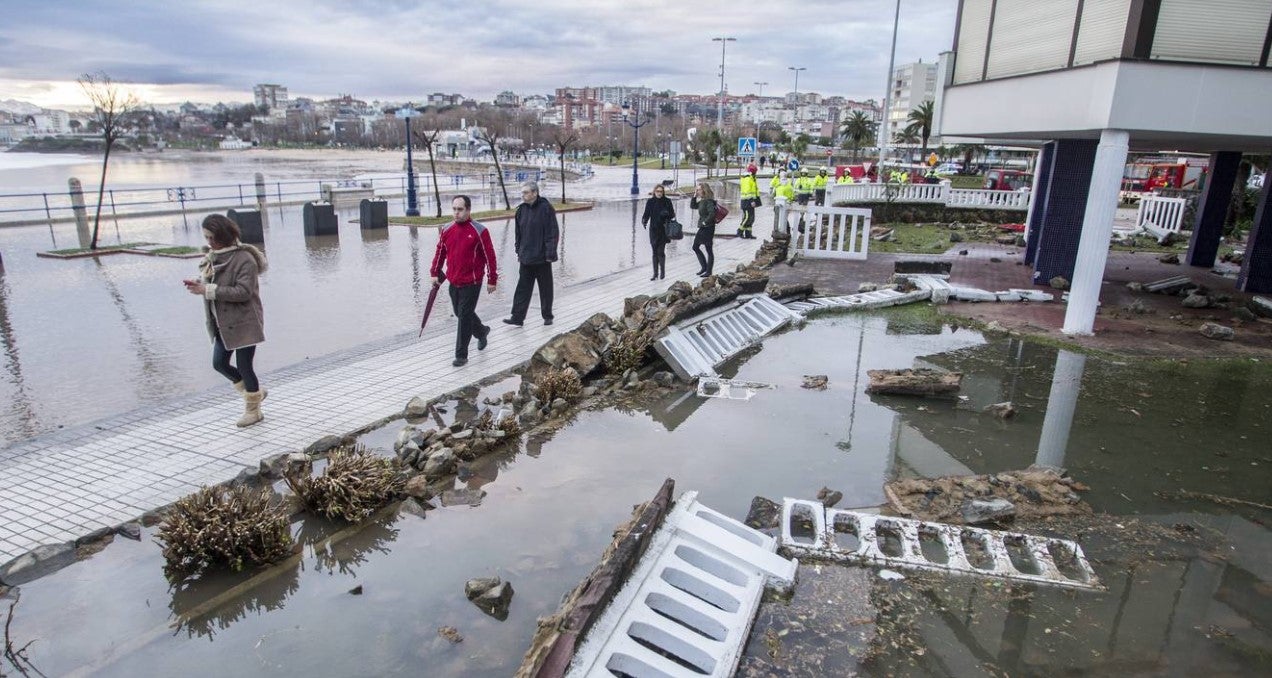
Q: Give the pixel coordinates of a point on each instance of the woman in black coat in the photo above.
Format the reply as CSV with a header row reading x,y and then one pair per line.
x,y
704,202
658,211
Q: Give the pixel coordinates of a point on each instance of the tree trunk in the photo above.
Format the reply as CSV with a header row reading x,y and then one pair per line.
x,y
101,189
499,173
561,157
432,166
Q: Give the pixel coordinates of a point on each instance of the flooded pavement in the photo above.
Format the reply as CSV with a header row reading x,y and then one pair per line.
x,y
85,339
1189,581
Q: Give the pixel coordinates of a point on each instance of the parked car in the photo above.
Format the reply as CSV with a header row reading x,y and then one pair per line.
x,y
1007,180
946,169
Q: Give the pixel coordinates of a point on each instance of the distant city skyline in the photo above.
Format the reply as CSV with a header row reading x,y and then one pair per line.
x,y
391,51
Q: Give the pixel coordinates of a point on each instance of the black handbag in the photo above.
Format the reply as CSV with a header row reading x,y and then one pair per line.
x,y
674,230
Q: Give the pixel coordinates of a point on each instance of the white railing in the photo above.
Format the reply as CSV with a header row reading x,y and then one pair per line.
x,y
834,233
941,194
1160,216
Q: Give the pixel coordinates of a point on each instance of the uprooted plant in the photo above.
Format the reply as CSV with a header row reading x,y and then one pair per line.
x,y
16,656
487,422
354,484
563,383
217,527
628,353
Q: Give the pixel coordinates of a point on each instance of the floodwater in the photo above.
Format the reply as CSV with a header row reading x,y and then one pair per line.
x,y
89,338
1133,433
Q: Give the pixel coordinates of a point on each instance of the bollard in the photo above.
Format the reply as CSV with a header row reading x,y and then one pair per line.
x,y
251,229
373,214
81,214
260,191
320,219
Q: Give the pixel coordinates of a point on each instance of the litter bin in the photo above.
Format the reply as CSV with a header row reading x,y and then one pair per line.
x,y
373,214
320,219
249,222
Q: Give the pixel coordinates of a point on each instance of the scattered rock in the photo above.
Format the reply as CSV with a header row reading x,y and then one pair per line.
x,y
356,591
416,408
1244,314
665,379
479,585
920,382
867,287
955,236
451,634
1001,410
1135,286
995,260
1170,258
462,497
412,507
1217,332
131,530
963,252
995,327
1005,240
1196,301
440,463
1137,307
816,381
1035,492
323,445
493,600
417,486
829,497
763,514
1020,241
981,511
1060,283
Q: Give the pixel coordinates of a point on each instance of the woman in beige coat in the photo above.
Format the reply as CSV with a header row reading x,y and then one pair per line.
x,y
229,283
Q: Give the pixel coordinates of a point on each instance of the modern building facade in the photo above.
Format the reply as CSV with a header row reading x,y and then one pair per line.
x,y
912,84
1092,79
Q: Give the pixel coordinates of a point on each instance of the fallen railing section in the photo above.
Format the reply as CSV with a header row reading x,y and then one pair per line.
x,y
861,301
688,606
694,348
809,528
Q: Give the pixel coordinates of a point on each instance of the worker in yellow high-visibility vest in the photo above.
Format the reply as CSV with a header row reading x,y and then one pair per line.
x,y
819,186
776,181
750,189
803,187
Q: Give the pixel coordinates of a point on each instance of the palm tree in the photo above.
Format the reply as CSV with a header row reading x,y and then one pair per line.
x,y
921,122
799,146
907,135
859,129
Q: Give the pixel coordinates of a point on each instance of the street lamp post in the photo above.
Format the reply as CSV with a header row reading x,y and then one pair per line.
x,y
412,200
887,94
635,144
724,42
797,70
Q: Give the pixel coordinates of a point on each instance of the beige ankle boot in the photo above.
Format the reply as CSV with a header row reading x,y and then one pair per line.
x,y
238,386
252,410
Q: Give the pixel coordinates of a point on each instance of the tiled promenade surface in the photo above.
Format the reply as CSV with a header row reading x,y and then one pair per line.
x,y
57,488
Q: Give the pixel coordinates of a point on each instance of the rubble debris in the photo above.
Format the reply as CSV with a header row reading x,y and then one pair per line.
x,y
981,512
1196,300
1170,285
729,389
763,514
816,381
1244,314
1005,410
450,634
1217,332
1035,492
1262,306
829,497
917,382
1169,258
1060,283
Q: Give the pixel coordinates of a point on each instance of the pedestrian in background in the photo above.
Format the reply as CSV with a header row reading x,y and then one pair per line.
x,y
229,282
658,211
536,240
464,253
703,201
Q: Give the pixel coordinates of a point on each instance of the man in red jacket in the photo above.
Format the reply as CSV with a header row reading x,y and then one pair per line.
x,y
468,253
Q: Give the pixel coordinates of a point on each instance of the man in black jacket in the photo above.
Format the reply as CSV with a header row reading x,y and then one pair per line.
x,y
536,245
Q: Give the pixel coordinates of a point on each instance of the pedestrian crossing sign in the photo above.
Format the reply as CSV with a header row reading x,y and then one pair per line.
x,y
746,146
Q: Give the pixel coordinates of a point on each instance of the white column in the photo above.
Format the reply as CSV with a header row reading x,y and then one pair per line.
x,y
1033,190
1097,228
1065,384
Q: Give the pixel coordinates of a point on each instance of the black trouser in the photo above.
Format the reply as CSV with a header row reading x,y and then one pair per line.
x,y
704,240
819,195
660,257
526,279
243,357
748,216
464,301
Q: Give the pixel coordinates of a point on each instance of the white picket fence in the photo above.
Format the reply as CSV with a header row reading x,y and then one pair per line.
x,y
942,193
1159,216
833,233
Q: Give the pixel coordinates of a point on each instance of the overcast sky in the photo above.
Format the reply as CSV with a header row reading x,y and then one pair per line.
x,y
403,49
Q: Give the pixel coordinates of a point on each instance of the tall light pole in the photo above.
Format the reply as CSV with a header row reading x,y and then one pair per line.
x,y
761,85
724,41
635,144
412,202
887,94
797,69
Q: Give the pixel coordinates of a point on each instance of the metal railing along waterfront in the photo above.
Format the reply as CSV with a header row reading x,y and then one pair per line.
x,y
942,193
48,207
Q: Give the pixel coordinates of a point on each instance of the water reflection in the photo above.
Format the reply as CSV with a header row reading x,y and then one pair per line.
x,y
206,605
1066,382
156,365
345,555
21,406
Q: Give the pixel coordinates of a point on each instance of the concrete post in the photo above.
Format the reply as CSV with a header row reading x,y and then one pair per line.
x,y
260,191
1256,266
1038,200
1212,208
779,216
81,214
1066,381
1097,228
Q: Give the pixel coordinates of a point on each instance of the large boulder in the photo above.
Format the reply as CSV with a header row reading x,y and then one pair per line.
x,y
571,349
1217,332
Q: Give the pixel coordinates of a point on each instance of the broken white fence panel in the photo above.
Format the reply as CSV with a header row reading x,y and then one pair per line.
x,y
729,389
857,302
845,233
810,528
688,606
695,348
938,287
1031,295
1160,216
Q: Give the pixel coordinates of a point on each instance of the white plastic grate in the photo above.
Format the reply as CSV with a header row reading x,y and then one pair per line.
x,y
697,347
810,528
860,302
687,608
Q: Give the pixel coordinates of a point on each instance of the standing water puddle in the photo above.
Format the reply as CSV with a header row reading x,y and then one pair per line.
x,y
1139,434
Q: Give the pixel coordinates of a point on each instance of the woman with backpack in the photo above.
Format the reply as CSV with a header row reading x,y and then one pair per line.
x,y
704,201
658,211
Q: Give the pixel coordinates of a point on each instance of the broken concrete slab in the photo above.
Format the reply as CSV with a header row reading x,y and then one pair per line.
x,y
816,381
916,382
1262,306
1036,493
984,511
1169,285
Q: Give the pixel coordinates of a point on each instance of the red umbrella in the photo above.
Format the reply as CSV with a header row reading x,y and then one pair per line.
x,y
428,307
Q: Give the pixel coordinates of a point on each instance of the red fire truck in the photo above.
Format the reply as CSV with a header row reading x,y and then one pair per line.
x,y
1147,175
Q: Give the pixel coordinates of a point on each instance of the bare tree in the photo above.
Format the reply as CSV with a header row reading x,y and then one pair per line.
x,y
428,139
112,106
490,136
563,140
